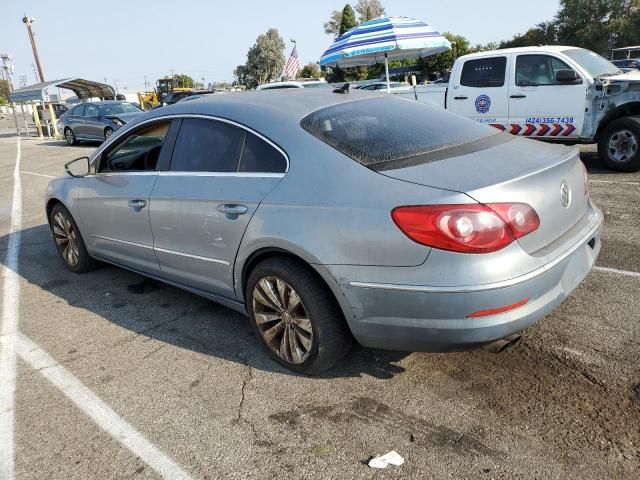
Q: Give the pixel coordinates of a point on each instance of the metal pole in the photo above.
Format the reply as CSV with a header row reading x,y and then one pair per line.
x,y
28,21
15,118
386,71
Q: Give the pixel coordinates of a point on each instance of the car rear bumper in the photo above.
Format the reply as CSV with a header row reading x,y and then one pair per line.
x,y
436,319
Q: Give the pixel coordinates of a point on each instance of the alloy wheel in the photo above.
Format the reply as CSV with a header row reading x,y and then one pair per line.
x,y
282,320
623,145
68,134
66,239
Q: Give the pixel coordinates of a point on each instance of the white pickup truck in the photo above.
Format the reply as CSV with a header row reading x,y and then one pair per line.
x,y
552,93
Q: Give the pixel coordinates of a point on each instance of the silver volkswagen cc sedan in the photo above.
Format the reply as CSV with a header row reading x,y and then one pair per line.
x,y
328,217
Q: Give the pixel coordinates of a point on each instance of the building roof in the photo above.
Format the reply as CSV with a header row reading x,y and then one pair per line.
x,y
81,87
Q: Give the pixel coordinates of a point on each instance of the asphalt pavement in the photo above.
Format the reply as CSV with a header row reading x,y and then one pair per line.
x,y
110,384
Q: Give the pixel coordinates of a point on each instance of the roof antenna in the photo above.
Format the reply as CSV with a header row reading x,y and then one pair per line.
x,y
343,89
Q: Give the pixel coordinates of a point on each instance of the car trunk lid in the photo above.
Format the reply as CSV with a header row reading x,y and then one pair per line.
x,y
512,170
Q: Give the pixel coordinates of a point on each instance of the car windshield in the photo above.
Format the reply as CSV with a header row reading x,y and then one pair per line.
x,y
379,132
593,63
116,108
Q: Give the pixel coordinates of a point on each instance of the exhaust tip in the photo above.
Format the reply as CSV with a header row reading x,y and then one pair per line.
x,y
499,346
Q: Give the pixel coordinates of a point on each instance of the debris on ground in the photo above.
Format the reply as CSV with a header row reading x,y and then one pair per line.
x,y
391,458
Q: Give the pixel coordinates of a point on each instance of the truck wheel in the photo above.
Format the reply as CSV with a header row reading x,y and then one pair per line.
x,y
619,145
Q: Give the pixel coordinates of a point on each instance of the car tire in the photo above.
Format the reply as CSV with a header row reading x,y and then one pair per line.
x,y
308,337
68,240
70,137
107,133
619,145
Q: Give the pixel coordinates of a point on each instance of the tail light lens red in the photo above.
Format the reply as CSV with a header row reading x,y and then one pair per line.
x,y
473,228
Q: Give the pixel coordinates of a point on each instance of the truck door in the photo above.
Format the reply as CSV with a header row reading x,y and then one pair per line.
x,y
539,104
480,90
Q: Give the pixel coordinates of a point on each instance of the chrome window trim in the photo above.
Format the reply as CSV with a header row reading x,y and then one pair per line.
x,y
221,174
196,257
124,131
124,242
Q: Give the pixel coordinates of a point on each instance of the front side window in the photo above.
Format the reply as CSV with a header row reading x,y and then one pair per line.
x,y
207,146
139,151
538,70
484,72
91,111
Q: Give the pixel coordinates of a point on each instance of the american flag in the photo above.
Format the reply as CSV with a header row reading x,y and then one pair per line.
x,y
292,67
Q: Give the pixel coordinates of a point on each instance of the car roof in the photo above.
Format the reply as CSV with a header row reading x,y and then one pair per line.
x,y
273,113
539,49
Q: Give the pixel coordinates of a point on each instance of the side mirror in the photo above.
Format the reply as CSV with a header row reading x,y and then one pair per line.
x,y
568,76
78,168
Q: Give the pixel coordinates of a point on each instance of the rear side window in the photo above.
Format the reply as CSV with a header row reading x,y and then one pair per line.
x,y
259,156
207,146
484,72
78,111
380,131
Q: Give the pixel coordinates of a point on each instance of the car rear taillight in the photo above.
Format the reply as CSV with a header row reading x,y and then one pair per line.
x,y
473,228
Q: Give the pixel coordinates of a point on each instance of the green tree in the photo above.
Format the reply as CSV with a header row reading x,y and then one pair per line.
x,y
347,19
369,9
332,27
545,33
182,80
441,63
310,70
4,91
265,60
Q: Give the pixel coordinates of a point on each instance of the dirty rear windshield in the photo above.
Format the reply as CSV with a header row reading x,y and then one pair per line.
x,y
382,132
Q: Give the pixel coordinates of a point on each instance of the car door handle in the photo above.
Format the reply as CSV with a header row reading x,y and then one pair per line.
x,y
518,96
460,98
230,209
137,203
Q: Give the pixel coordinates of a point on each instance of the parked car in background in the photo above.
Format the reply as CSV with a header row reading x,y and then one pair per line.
x,y
327,217
59,109
633,63
294,84
96,121
373,86
174,97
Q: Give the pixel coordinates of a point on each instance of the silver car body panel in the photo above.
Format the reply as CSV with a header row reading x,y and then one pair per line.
x,y
334,214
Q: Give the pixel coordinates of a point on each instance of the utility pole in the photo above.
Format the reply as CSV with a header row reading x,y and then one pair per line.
x,y
28,21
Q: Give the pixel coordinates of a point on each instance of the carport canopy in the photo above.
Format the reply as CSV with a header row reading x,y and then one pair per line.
x,y
83,89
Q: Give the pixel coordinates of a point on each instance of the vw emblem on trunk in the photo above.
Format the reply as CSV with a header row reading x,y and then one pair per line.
x,y
565,194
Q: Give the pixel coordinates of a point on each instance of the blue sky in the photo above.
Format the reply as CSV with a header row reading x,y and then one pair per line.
x,y
126,40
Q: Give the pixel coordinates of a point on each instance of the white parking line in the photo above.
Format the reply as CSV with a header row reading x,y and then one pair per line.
x,y
12,343
38,174
617,182
626,273
103,415
9,329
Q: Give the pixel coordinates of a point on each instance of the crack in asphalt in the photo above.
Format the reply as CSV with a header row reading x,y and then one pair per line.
x,y
240,418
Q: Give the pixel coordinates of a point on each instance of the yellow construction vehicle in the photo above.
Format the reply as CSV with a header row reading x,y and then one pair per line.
x,y
164,86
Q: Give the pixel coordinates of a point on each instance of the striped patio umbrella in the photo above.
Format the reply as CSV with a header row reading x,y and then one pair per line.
x,y
382,39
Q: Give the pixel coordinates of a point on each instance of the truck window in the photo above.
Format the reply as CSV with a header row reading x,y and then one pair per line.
x,y
538,70
484,72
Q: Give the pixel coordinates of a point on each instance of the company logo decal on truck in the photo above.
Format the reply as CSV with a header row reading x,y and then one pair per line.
x,y
483,104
